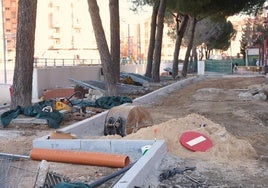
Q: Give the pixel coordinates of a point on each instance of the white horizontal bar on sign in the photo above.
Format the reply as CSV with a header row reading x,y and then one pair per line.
x,y
195,141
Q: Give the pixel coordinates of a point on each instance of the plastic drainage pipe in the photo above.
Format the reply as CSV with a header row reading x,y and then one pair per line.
x,y
80,157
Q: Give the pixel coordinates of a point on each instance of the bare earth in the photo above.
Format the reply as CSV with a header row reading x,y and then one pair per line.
x,y
224,102
219,103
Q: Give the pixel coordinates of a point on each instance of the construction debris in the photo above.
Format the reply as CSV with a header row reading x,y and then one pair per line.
x,y
47,179
61,135
87,85
134,79
124,120
41,174
122,89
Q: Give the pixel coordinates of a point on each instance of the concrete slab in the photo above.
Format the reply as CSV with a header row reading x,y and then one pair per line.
x,y
29,120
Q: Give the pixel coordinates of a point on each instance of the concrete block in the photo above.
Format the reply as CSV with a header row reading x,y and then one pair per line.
x,y
65,144
150,161
58,93
29,120
129,145
91,126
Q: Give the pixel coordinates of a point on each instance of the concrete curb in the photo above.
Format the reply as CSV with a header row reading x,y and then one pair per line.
x,y
167,89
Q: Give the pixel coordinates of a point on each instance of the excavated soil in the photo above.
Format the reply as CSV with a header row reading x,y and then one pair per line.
x,y
231,111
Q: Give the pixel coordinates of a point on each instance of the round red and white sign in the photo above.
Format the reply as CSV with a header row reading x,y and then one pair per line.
x,y
195,141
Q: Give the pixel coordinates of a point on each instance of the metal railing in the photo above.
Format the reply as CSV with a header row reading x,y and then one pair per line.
x,y
52,62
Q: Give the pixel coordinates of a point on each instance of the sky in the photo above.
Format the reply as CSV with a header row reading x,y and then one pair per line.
x,y
126,15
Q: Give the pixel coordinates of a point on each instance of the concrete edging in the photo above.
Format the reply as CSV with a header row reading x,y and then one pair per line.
x,y
140,170
167,89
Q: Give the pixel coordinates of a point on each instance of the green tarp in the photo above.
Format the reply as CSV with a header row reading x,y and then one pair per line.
x,y
103,102
71,185
54,118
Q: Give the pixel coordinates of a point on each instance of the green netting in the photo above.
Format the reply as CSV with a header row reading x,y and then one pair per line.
x,y
192,67
252,60
222,66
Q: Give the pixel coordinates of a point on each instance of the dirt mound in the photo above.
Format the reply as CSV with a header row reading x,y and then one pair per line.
x,y
226,147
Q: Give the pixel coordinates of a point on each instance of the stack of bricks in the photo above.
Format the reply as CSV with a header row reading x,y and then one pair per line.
x,y
58,93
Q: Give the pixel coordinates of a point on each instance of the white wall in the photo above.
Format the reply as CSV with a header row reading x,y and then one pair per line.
x,y
57,77
4,93
138,69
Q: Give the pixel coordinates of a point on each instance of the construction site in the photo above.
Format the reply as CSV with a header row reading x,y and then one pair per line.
x,y
200,131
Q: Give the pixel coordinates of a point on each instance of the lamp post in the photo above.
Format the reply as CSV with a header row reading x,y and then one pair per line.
x,y
128,41
4,43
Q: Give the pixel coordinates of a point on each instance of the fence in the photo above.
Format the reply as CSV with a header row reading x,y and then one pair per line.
x,y
222,66
47,62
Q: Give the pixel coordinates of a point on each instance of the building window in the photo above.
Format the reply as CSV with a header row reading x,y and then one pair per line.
x,y
13,15
13,4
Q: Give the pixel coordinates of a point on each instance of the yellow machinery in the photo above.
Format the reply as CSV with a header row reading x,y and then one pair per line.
x,y
62,104
65,103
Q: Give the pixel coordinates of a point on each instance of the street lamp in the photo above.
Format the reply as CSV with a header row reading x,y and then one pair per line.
x,y
4,43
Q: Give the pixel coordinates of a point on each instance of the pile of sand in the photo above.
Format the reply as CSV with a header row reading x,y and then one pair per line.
x,y
226,147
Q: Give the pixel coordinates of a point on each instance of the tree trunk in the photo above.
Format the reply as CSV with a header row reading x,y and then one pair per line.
x,y
189,48
181,28
115,37
105,56
23,71
158,41
150,55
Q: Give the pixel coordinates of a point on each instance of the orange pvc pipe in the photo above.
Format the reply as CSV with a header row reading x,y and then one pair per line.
x,y
80,157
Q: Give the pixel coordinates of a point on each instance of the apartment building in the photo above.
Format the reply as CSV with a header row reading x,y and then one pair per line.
x,y
64,30
8,29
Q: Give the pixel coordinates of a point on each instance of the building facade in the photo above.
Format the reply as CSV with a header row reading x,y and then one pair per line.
x,y
64,30
9,27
